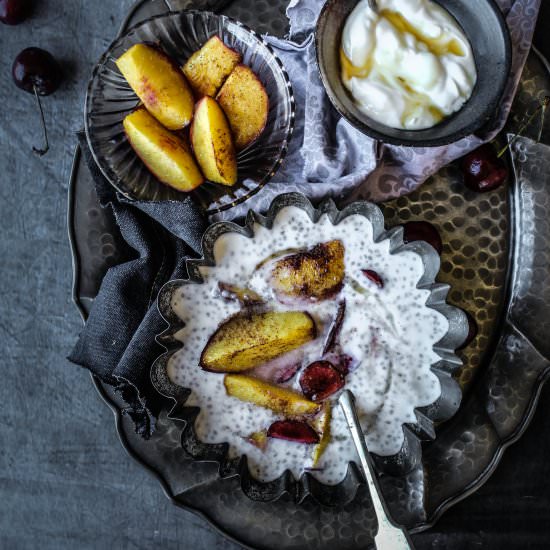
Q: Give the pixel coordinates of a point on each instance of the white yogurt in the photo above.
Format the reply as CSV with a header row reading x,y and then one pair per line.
x,y
407,66
390,332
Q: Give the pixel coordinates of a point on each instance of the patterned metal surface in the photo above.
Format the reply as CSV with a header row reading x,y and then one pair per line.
x,y
474,231
504,370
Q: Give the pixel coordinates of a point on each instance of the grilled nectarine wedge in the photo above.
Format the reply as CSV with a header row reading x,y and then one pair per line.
x,y
213,143
248,340
208,67
160,85
168,156
263,394
316,274
244,100
322,425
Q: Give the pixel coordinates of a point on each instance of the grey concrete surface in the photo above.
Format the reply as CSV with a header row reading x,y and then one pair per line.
x,y
65,481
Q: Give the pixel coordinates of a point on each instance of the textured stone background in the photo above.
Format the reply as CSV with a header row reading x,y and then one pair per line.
x,y
65,481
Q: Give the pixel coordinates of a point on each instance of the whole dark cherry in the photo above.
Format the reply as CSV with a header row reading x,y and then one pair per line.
x,y
423,231
483,169
13,12
37,72
35,68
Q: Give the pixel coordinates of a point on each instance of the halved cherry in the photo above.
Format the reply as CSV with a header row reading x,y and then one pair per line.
x,y
286,373
423,231
373,277
293,430
335,329
320,380
472,331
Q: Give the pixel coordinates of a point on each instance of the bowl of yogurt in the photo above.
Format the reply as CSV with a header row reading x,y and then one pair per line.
x,y
414,72
396,332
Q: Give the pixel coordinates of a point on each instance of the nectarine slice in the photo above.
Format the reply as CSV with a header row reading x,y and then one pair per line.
x,y
213,143
251,339
244,100
263,394
208,67
322,425
160,85
317,273
168,156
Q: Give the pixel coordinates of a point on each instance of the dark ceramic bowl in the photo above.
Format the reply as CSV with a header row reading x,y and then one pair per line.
x,y
483,24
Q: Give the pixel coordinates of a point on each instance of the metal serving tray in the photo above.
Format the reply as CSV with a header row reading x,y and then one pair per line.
x,y
495,258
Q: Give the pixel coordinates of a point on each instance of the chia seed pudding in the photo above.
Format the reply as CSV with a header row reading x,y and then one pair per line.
x,y
388,332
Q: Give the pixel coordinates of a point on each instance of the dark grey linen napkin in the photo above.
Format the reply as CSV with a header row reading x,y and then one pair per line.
x,y
118,342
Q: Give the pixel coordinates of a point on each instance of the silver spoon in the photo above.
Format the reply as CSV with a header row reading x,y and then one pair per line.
x,y
390,536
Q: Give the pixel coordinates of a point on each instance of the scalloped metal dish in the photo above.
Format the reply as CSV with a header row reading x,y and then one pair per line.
x,y
410,455
500,396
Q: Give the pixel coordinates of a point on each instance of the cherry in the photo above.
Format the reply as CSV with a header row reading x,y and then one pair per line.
x,y
293,430
342,362
320,380
423,231
483,169
36,71
373,277
13,12
472,331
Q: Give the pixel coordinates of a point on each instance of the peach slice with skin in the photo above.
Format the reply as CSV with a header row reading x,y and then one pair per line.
x,y
322,425
244,100
320,380
280,400
168,156
160,85
208,67
248,340
213,143
315,274
258,439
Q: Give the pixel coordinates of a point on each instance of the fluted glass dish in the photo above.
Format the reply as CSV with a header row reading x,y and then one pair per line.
x,y
179,34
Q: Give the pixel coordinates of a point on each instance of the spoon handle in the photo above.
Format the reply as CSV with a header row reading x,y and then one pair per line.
x,y
389,536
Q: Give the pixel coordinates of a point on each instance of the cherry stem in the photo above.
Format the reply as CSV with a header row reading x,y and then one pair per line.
x,y
542,109
41,152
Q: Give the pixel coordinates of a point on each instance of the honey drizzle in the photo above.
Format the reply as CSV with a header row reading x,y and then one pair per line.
x,y
437,47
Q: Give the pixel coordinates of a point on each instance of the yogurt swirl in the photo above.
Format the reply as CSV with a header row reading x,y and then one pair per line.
x,y
408,66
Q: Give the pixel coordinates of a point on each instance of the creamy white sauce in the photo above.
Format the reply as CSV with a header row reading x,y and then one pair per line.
x,y
408,66
390,332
